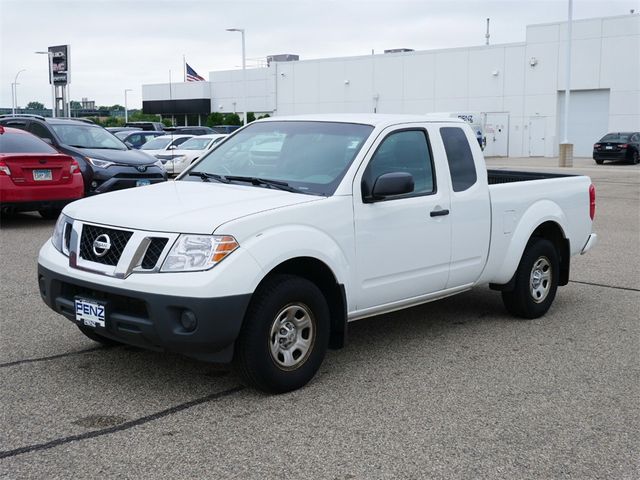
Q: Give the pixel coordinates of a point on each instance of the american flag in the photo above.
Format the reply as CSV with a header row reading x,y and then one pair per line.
x,y
192,76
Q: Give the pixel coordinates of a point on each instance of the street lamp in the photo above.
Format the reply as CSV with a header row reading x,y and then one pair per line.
x,y
14,92
53,86
244,73
126,116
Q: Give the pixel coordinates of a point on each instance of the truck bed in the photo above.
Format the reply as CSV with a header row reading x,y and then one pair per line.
x,y
510,176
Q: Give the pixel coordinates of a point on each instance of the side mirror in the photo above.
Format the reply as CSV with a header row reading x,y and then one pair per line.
x,y
390,184
48,140
172,147
129,144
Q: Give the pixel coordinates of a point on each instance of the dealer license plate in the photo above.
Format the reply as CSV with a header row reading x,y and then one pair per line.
x,y
40,175
90,313
142,183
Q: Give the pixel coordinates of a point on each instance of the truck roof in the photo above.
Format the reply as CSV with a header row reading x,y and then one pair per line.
x,y
373,119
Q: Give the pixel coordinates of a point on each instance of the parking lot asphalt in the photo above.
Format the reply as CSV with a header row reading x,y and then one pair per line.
x,y
451,389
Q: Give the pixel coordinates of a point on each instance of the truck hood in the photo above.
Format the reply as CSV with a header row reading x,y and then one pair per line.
x,y
181,207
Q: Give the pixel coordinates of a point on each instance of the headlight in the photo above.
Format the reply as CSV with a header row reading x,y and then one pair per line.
x,y
57,239
192,253
99,163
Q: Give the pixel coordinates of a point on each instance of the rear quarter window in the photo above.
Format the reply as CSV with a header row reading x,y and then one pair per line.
x,y
462,167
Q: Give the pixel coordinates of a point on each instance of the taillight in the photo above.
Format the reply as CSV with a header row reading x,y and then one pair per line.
x,y
624,145
597,145
592,201
4,169
74,167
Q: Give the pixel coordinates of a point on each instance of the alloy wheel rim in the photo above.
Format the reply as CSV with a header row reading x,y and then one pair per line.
x,y
292,336
540,279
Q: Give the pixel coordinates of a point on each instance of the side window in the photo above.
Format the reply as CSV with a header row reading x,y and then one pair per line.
x,y
136,140
180,141
21,124
461,164
40,131
404,151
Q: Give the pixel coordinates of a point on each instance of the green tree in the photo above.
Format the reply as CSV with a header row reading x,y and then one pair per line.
x,y
266,115
113,122
138,116
167,122
35,106
231,119
251,117
214,118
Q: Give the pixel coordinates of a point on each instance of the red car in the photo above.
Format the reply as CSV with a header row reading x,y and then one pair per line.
x,y
35,176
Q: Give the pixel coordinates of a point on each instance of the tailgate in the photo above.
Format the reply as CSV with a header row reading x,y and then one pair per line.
x,y
39,169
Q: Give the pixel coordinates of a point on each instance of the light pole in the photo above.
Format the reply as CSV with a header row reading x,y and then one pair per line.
x,y
126,115
244,73
14,91
53,86
566,149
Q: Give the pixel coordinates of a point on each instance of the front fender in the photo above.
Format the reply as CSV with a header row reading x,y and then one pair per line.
x,y
538,213
276,245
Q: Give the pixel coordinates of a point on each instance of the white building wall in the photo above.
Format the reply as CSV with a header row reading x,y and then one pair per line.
x,y
176,91
522,79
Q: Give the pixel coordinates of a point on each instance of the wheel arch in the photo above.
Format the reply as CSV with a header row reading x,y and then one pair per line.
x,y
320,274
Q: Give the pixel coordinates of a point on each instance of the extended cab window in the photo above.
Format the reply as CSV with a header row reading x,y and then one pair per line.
x,y
403,151
461,164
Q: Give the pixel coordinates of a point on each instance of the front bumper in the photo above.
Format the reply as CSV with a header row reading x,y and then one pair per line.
x,y
120,177
150,320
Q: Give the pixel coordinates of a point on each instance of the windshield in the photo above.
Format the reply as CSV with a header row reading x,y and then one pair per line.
x,y
616,137
159,143
312,157
87,136
195,143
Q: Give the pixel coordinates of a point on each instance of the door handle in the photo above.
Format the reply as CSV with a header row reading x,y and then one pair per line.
x,y
439,213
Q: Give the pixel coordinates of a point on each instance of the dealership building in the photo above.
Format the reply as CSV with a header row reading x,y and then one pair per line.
x,y
515,90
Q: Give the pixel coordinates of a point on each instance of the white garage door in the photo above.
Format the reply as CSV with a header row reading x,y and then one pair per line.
x,y
588,119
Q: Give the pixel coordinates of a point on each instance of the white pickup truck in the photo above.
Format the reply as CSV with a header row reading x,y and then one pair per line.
x,y
264,249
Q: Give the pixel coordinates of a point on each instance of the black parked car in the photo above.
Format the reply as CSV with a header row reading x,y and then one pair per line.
x,y
190,130
106,163
158,126
618,146
137,138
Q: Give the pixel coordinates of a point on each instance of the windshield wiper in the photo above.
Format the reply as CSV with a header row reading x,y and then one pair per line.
x,y
264,182
207,176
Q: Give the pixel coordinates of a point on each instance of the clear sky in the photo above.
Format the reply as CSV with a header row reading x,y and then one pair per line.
x,y
119,44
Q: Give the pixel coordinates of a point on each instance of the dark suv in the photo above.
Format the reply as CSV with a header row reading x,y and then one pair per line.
x,y
106,163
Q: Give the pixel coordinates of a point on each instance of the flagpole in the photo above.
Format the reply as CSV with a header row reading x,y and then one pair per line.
x,y
184,67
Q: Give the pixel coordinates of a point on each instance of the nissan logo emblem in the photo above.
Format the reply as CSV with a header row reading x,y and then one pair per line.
x,y
101,245
142,168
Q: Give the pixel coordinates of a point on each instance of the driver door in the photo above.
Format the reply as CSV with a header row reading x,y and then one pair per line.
x,y
402,242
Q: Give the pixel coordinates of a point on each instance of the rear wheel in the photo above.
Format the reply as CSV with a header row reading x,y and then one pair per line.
x,y
536,281
599,161
635,158
285,335
50,213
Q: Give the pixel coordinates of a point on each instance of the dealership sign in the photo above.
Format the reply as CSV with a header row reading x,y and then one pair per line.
x,y
60,65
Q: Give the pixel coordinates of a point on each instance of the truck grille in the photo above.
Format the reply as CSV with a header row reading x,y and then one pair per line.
x,y
153,252
118,239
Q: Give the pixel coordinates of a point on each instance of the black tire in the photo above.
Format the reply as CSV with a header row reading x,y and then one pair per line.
x,y
526,299
96,337
280,298
599,161
635,157
50,213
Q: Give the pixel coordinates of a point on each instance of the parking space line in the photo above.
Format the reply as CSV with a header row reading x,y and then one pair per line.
x,y
52,357
630,289
122,426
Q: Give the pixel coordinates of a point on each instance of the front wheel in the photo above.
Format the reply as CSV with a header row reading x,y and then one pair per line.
x,y
285,335
536,280
635,158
